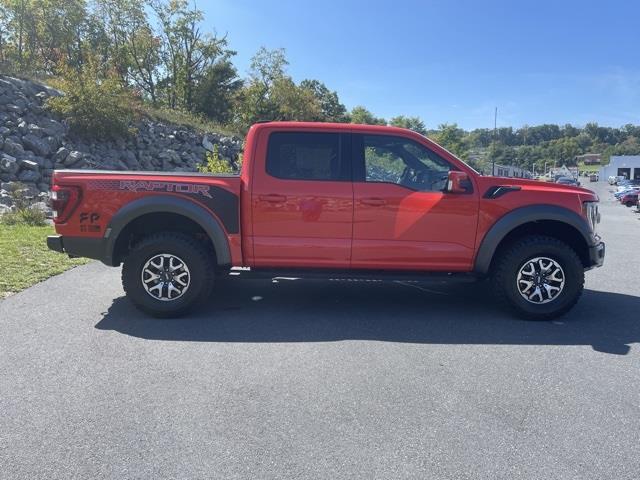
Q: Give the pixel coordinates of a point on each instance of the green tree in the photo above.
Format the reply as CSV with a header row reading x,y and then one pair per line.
x,y
133,48
361,115
254,99
187,52
217,92
292,102
631,146
564,150
21,31
451,137
412,123
60,32
331,108
267,66
270,94
4,32
95,104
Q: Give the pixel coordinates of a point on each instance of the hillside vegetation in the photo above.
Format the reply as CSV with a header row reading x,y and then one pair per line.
x,y
117,59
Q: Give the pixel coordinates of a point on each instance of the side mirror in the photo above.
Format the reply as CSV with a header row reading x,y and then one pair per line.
x,y
458,182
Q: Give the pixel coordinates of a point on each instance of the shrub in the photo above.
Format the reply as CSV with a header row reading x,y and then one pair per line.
x,y
18,193
94,104
24,213
215,164
25,216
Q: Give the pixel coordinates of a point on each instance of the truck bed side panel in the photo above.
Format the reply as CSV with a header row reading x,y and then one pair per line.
x,y
105,193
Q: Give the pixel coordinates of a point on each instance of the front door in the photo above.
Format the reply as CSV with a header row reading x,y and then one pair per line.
x,y
403,219
302,200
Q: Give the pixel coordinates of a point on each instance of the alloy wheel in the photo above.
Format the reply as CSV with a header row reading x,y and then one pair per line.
x,y
165,277
540,280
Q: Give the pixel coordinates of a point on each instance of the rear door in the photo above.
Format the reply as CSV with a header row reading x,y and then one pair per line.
x,y
403,218
302,199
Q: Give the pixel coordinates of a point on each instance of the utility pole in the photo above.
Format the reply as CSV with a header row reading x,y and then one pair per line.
x,y
493,156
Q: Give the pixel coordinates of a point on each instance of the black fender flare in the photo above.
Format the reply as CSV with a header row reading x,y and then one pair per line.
x,y
521,216
167,204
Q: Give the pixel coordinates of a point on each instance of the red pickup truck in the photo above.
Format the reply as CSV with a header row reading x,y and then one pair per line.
x,y
331,200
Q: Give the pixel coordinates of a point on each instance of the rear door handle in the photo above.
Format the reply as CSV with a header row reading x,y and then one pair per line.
x,y
273,198
374,202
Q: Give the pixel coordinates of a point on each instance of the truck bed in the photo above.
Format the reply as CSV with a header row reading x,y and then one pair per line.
x,y
104,193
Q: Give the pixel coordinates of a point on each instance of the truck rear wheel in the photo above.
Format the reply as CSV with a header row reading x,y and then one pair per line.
x,y
538,277
168,273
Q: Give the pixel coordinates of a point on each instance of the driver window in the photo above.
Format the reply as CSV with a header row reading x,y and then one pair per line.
x,y
403,162
382,165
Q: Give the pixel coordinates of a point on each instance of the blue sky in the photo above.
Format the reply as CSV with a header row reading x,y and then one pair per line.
x,y
454,61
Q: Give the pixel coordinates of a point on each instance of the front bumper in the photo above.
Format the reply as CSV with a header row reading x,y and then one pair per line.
x,y
596,255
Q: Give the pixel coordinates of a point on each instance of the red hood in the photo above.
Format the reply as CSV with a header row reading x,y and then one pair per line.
x,y
486,182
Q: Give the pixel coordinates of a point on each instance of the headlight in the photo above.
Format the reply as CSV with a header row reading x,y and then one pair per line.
x,y
592,215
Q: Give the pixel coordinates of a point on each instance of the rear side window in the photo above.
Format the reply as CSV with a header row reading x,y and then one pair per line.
x,y
307,156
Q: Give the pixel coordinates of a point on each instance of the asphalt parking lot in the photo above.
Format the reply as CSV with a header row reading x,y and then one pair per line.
x,y
310,379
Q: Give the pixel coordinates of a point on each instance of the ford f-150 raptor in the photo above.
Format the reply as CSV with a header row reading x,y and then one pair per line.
x,y
326,199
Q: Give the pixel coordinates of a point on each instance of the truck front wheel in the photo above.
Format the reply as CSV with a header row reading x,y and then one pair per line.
x,y
167,273
538,277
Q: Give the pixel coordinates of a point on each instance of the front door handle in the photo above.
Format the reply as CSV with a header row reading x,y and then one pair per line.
x,y
273,198
374,201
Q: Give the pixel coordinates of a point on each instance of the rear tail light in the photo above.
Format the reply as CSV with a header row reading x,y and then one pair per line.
x,y
64,200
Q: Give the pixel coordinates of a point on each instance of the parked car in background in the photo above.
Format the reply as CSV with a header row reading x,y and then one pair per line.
x,y
630,198
626,190
619,196
614,179
594,177
627,185
568,181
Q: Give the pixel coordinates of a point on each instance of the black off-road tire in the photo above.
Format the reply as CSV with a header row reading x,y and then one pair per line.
x,y
192,252
509,262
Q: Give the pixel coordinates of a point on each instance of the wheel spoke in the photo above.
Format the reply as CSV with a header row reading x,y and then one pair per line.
x,y
172,289
556,276
551,290
530,272
158,288
537,293
159,264
527,285
182,278
543,268
152,276
178,264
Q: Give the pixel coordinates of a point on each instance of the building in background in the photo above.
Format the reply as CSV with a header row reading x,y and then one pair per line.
x,y
589,159
627,166
563,171
511,171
